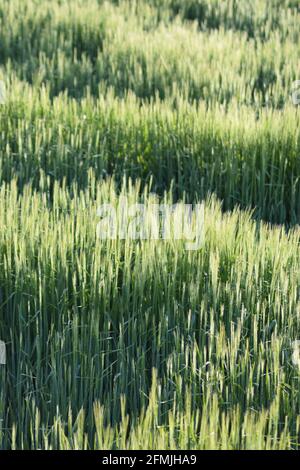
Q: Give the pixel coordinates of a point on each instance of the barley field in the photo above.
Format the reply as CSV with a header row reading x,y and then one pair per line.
x,y
142,344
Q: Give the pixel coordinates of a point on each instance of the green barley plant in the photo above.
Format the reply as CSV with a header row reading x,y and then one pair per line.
x,y
244,158
142,344
199,342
